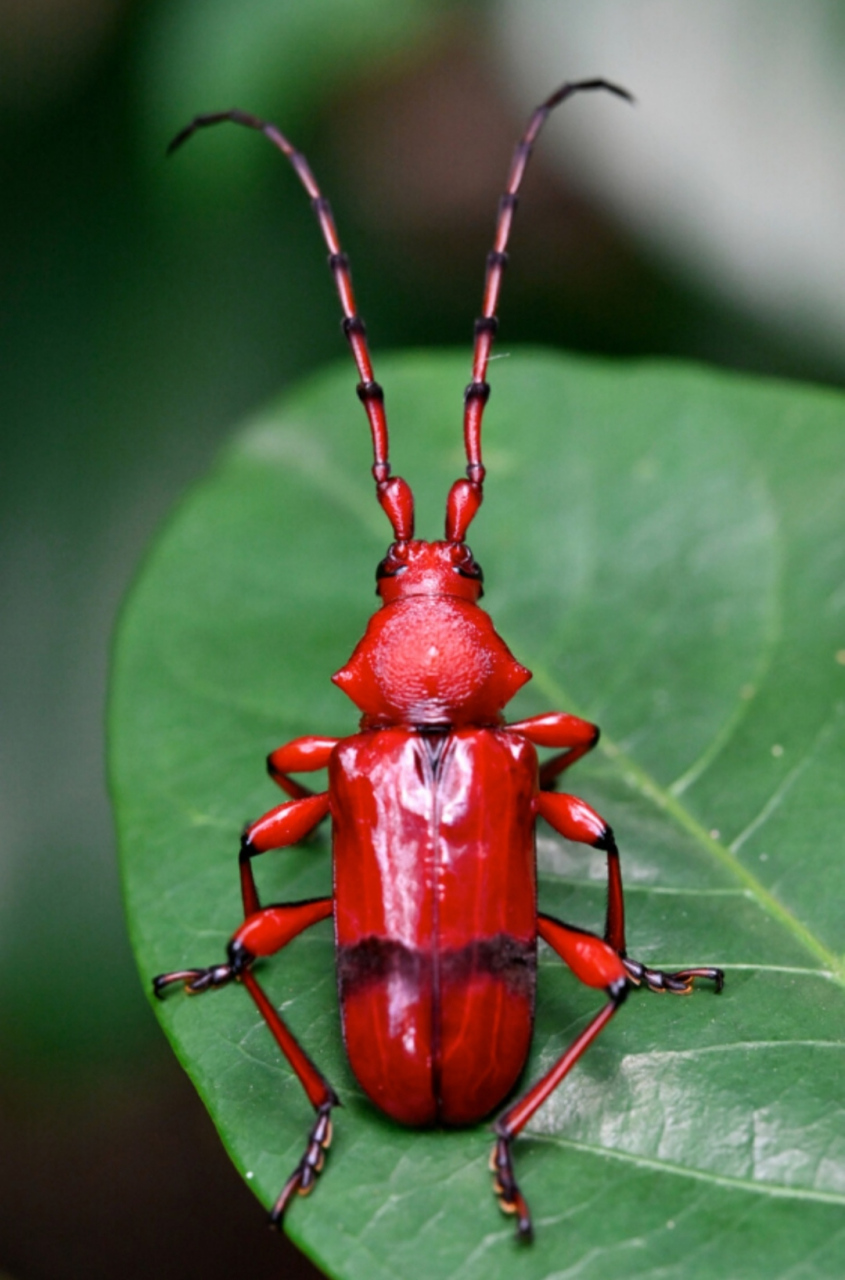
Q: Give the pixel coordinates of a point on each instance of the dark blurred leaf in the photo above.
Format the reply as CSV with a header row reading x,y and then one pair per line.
x,y
664,547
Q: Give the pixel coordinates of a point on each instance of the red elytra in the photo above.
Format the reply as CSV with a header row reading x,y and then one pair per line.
x,y
433,805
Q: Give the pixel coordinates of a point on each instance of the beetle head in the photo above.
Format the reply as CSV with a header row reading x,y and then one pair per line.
x,y
429,569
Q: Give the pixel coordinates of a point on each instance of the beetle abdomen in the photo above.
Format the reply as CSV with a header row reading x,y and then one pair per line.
x,y
435,916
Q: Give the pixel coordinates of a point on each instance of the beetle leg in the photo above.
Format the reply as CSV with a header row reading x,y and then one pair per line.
x,y
320,1094
579,822
550,770
511,1199
262,934
558,729
285,825
597,965
302,755
575,819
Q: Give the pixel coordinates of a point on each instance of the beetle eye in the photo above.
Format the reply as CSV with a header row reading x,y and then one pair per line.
x,y
388,568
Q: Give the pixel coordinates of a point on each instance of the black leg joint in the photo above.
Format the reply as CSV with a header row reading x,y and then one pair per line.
x,y
477,391
502,1130
618,991
338,262
354,324
496,259
323,1112
370,391
508,201
486,324
607,842
240,958
321,205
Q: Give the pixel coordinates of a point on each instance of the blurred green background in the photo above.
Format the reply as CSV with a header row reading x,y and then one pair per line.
x,y
146,307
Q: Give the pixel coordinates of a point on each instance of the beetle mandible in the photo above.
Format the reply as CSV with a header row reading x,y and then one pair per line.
x,y
433,805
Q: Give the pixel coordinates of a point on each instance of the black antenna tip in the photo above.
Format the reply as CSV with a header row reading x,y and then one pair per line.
x,y
619,91
579,86
182,136
235,115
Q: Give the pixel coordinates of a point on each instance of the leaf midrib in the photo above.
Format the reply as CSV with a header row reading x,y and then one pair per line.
x,y
641,781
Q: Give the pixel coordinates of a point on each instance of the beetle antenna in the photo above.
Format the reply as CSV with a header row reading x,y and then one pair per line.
x,y
393,492
465,495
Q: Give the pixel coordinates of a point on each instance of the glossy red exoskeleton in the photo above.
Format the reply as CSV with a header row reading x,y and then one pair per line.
x,y
433,805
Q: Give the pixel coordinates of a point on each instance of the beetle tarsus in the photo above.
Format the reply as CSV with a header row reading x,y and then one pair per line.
x,y
196,981
304,1176
680,983
511,1199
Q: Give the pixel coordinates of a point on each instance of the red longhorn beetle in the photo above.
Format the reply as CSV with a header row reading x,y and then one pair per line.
x,y
433,805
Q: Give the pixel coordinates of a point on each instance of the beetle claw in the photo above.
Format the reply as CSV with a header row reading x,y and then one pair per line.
x,y
286,1195
506,1188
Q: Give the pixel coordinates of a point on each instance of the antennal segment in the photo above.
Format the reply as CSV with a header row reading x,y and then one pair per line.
x,y
393,492
465,495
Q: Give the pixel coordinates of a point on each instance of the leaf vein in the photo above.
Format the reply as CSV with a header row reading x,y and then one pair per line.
x,y
782,790
772,1189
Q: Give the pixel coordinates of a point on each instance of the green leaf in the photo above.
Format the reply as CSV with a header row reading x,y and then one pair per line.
x,y
664,548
